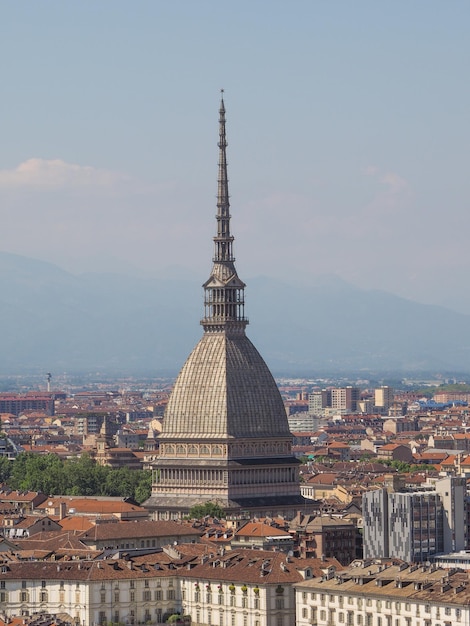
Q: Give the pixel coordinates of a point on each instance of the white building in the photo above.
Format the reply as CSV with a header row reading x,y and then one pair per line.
x,y
233,588
375,594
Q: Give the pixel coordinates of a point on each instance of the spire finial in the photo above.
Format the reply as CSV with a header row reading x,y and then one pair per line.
x,y
224,298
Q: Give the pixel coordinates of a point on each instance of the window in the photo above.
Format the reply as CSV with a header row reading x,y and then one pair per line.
x,y
116,596
43,584
158,595
102,617
256,603
170,594
43,596
304,612
146,596
146,583
279,603
103,597
132,584
3,596
2,584
24,596
23,584
244,602
232,600
132,596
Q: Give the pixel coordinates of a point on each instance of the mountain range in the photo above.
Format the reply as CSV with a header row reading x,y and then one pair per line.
x,y
57,321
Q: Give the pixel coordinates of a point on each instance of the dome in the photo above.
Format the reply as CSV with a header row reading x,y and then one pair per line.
x,y
225,390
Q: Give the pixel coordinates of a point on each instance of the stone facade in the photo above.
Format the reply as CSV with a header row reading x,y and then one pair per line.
x,y
225,436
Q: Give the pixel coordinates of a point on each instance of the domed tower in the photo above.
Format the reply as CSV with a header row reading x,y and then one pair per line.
x,y
225,434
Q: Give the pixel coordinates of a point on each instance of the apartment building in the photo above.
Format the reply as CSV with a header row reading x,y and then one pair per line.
x,y
233,588
336,401
372,593
383,399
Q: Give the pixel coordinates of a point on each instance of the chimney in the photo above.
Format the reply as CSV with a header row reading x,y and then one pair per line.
x,y
62,510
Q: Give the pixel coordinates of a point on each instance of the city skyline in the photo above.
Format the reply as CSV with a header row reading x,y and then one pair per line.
x,y
348,150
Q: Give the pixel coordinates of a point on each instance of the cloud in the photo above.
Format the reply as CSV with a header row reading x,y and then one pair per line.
x,y
56,174
395,183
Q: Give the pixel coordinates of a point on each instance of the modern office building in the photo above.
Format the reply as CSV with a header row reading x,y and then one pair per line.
x,y
414,526
225,434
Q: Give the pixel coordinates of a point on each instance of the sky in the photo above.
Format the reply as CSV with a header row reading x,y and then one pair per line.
x,y
347,124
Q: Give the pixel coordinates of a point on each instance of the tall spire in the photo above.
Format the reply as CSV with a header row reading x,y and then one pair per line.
x,y
223,240
224,301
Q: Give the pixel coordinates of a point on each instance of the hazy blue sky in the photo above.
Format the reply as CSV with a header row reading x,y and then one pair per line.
x,y
347,122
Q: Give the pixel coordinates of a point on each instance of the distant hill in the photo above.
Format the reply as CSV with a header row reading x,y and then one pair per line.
x,y
54,320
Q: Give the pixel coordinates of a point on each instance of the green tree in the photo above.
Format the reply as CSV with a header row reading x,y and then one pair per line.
x,y
208,508
37,472
79,476
84,476
6,468
143,489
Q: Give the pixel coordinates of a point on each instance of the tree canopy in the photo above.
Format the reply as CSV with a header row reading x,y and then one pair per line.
x,y
80,476
208,508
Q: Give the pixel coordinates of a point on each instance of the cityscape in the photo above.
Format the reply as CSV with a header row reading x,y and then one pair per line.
x,y
159,463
